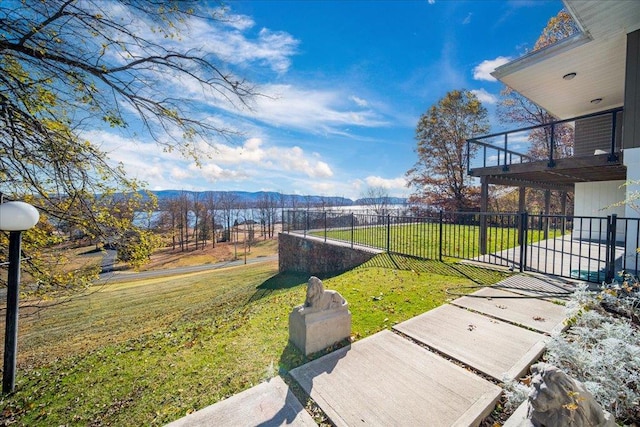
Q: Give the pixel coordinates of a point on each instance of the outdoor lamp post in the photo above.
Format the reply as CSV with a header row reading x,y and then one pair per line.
x,y
15,217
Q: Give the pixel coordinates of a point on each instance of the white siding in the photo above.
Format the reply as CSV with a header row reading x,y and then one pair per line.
x,y
594,199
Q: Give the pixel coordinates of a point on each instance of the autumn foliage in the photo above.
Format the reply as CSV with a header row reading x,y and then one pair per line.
x,y
439,177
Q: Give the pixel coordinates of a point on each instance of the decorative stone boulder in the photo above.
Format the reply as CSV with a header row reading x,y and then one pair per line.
x,y
559,400
323,320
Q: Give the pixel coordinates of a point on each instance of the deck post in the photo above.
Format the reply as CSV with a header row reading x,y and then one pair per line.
x,y
522,199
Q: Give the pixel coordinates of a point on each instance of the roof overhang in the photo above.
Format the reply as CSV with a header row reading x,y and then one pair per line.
x,y
597,55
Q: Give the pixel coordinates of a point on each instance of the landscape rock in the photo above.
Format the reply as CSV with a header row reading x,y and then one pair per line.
x,y
559,400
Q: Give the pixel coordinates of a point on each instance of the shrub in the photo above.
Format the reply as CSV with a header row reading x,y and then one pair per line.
x,y
602,347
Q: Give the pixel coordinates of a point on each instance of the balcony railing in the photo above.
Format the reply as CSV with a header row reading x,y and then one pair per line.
x,y
601,131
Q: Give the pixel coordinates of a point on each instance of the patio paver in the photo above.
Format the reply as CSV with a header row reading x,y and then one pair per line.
x,y
532,313
491,346
551,287
267,404
386,380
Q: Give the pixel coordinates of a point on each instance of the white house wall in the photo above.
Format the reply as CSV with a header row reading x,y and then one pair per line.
x,y
595,199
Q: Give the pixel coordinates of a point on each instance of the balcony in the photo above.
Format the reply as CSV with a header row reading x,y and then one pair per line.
x,y
552,156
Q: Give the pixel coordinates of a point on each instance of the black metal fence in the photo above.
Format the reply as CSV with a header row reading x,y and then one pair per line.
x,y
594,249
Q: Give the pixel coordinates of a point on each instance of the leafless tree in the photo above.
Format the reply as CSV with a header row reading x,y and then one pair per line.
x,y
228,205
377,199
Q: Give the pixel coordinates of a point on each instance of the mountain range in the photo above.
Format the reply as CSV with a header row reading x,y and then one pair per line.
x,y
252,198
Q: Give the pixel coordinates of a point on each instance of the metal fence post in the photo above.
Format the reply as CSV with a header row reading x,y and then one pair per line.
x,y
552,146
388,233
522,240
440,239
505,166
352,228
325,226
610,273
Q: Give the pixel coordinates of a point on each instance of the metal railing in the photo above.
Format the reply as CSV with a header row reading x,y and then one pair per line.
x,y
594,249
502,148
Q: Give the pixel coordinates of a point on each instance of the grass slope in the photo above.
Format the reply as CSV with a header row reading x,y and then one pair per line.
x,y
151,351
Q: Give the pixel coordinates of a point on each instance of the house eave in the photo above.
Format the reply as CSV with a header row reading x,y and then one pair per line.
x,y
541,55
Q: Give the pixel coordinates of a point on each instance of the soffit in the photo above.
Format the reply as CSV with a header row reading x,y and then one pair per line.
x,y
597,56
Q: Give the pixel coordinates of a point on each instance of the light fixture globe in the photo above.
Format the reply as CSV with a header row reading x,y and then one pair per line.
x,y
17,216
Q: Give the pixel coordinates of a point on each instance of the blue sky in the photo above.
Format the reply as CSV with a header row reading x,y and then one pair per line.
x,y
346,82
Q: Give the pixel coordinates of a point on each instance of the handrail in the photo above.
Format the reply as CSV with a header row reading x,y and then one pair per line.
x,y
476,140
556,122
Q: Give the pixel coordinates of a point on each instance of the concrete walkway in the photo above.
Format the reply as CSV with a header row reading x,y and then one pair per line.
x,y
268,404
442,368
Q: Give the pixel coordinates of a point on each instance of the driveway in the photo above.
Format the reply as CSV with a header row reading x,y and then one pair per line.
x,y
119,276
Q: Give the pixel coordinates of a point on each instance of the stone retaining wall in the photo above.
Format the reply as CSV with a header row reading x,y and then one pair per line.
x,y
315,257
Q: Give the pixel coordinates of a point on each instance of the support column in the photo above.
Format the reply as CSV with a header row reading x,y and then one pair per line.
x,y
547,202
631,145
631,116
522,200
563,211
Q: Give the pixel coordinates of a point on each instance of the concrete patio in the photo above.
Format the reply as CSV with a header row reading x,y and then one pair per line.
x,y
560,256
442,368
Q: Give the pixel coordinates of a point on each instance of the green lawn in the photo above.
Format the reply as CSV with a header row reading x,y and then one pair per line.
x,y
148,352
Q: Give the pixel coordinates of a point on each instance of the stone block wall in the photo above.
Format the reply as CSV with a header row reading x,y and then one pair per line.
x,y
308,255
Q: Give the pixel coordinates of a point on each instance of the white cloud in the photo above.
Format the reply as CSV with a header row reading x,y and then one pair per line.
x,y
485,68
227,37
313,110
211,172
234,45
294,159
237,21
467,19
359,101
218,162
484,96
386,183
321,170
179,173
